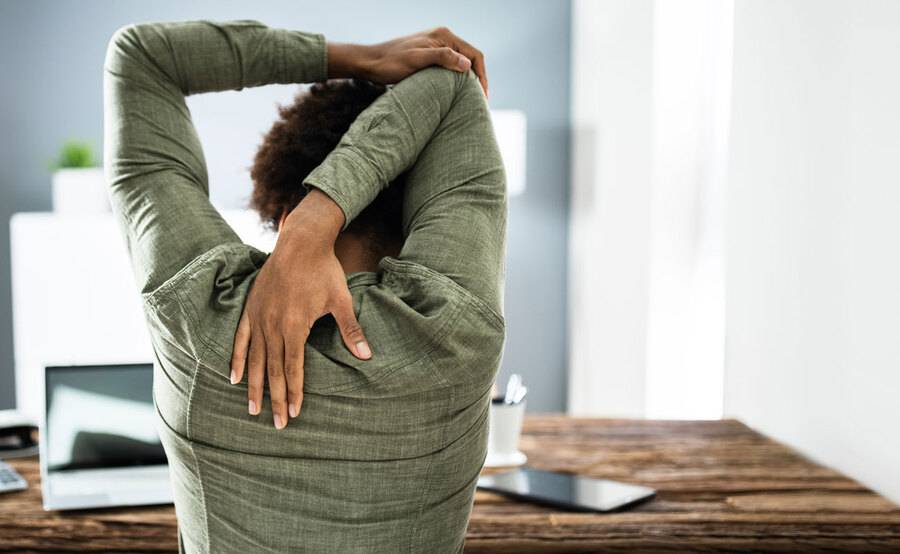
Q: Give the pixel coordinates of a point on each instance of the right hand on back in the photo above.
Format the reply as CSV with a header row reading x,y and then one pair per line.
x,y
300,282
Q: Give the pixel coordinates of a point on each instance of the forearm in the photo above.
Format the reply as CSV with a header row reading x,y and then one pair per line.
x,y
204,56
435,125
317,219
386,139
454,212
153,158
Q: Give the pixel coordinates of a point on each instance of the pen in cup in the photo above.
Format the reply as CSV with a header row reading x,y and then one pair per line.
x,y
515,391
507,412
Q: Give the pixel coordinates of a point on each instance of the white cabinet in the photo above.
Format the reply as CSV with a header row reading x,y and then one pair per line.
x,y
74,296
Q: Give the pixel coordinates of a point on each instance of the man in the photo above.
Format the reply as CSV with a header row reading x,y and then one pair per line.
x,y
392,435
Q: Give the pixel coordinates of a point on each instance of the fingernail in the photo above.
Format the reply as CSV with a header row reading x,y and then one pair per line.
x,y
363,349
293,410
278,422
234,377
252,408
464,63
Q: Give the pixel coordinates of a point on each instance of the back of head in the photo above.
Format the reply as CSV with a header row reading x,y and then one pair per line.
x,y
304,134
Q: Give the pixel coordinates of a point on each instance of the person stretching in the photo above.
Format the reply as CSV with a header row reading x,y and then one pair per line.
x,y
331,396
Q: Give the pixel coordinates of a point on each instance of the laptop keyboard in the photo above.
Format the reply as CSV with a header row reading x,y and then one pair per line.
x,y
10,480
131,480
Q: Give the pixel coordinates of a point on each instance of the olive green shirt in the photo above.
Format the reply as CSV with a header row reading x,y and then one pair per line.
x,y
386,452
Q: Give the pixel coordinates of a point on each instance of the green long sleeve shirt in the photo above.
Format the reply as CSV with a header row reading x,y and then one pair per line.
x,y
386,452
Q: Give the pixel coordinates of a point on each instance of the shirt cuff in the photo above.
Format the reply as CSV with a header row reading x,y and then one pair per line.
x,y
304,57
348,179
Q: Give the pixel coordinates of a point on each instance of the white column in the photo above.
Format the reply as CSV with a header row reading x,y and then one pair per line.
x,y
692,52
610,206
651,89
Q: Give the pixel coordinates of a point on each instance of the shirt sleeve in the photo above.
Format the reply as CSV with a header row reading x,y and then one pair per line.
x,y
154,163
435,124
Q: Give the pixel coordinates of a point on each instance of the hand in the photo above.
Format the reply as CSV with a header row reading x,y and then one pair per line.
x,y
394,60
300,282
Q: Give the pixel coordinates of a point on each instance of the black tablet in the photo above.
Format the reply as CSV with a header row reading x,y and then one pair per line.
x,y
572,492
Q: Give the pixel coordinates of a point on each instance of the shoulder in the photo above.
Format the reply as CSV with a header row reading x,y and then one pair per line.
x,y
433,294
418,281
199,307
465,336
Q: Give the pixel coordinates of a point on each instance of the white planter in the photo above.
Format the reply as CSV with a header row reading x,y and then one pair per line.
x,y
79,191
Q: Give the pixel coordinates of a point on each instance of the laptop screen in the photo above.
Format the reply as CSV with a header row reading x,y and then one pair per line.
x,y
101,417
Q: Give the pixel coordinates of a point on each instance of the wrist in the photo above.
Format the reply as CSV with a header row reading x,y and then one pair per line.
x,y
347,60
317,218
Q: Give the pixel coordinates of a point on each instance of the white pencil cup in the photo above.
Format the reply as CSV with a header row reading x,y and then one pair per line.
x,y
505,428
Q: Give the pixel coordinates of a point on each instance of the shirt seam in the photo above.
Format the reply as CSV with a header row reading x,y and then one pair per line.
x,y
163,290
189,414
201,483
405,266
445,407
196,463
201,337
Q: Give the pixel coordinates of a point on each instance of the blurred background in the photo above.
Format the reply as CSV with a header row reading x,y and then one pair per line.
x,y
704,225
52,54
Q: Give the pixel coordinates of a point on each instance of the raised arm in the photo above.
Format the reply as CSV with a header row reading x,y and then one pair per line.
x,y
454,212
153,158
435,124
155,166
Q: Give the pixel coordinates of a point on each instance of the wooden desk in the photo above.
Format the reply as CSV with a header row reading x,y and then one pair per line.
x,y
722,487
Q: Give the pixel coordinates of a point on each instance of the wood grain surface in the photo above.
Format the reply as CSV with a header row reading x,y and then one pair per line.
x,y
721,488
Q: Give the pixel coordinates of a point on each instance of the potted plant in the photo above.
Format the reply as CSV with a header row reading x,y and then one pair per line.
x,y
78,183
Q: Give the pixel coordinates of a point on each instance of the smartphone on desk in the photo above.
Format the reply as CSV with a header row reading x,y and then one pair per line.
x,y
563,490
18,435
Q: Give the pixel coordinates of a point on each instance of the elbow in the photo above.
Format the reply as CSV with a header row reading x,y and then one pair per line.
x,y
122,49
124,34
445,84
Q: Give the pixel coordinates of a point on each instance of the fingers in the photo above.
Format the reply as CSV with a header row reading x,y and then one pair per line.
x,y
480,71
277,384
477,58
351,331
282,362
445,36
240,348
445,57
293,365
256,371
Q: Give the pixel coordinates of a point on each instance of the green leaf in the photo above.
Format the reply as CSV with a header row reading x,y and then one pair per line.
x,y
75,154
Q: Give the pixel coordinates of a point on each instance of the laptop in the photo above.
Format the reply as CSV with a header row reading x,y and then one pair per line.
x,y
98,442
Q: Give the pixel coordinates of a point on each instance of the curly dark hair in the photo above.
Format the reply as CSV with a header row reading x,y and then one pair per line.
x,y
301,138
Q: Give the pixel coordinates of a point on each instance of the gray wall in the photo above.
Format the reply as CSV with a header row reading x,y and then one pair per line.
x,y
51,53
